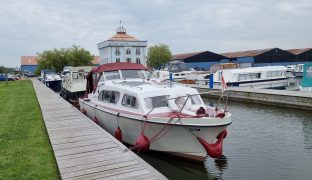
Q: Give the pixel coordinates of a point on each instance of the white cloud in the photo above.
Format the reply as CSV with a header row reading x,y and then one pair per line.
x,y
30,26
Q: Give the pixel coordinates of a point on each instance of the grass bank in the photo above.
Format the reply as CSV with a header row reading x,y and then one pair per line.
x,y
25,150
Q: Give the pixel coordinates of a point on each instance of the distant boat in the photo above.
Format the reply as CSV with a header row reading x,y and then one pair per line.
x,y
257,77
306,83
296,70
179,71
74,82
51,79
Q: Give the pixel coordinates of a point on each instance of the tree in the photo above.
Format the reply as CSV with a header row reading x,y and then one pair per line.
x,y
56,59
158,55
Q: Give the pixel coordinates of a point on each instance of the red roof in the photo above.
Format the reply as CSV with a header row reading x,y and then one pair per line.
x,y
96,60
119,66
29,60
122,36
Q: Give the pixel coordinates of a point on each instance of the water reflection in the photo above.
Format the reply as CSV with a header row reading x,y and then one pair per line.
x,y
307,133
177,168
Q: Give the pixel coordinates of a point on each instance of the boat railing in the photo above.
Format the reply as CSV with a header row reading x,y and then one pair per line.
x,y
180,111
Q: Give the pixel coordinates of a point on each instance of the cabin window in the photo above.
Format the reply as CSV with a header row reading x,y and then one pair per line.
x,y
129,60
242,77
112,75
132,74
195,100
129,101
255,75
158,101
109,96
117,59
75,75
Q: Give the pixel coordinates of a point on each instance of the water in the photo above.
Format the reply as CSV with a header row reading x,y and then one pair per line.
x,y
264,142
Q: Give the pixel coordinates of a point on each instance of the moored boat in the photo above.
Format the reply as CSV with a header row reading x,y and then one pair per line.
x,y
74,82
139,110
271,77
51,79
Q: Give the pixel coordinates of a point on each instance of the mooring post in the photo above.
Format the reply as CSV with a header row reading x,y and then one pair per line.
x,y
170,76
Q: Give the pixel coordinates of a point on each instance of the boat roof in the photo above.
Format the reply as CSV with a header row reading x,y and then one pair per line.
x,y
256,69
76,69
119,66
150,88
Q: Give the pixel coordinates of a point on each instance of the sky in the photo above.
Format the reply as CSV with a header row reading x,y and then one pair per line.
x,y
28,27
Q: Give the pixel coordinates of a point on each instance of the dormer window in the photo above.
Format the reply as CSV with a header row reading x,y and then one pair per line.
x,y
128,51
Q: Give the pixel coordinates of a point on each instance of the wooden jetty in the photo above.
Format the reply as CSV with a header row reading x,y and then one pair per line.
x,y
283,98
83,150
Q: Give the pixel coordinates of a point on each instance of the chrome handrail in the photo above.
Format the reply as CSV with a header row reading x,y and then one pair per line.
x,y
145,116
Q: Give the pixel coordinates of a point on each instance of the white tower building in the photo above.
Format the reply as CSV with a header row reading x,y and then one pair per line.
x,y
123,48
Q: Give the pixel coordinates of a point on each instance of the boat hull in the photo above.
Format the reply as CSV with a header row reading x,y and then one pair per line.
x,y
180,140
55,85
266,84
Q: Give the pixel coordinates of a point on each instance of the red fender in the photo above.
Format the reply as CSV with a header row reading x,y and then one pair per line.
x,y
118,134
213,150
84,111
142,144
220,115
224,132
95,119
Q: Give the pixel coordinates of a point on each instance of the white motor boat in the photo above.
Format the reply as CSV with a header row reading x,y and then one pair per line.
x,y
256,77
74,82
51,79
178,70
126,101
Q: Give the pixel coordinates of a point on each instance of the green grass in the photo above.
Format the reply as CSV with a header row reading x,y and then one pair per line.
x,y
25,150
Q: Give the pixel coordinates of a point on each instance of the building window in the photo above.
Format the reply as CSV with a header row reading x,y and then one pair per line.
x,y
138,61
137,51
117,59
128,51
129,101
117,52
129,60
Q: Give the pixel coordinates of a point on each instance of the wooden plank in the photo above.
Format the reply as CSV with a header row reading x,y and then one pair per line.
x,y
78,150
91,160
56,136
91,153
110,173
77,139
80,144
96,167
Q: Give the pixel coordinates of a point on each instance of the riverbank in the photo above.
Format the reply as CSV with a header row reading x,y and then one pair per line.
x,y
25,151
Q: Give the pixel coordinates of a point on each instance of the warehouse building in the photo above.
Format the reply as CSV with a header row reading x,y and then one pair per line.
x,y
262,57
200,60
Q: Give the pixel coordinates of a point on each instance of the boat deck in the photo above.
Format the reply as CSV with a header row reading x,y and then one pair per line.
x,y
82,149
